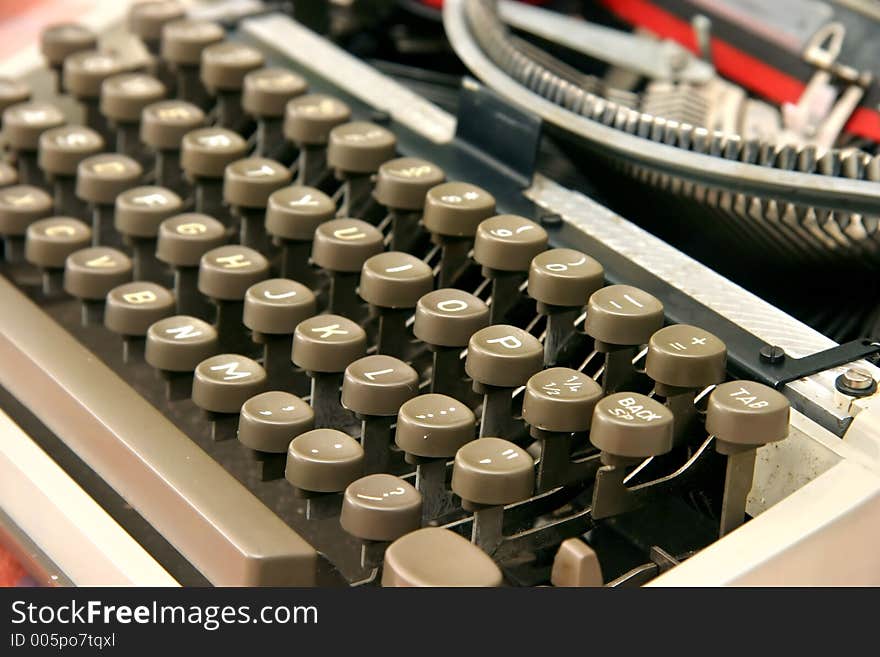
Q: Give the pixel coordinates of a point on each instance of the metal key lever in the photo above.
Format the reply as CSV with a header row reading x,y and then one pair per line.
x,y
612,497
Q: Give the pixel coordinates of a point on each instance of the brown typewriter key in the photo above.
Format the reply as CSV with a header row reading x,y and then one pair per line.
x,y
99,180
247,185
500,359
146,20
13,92
308,121
505,245
138,214
743,415
620,319
48,243
341,247
272,311
22,126
324,346
452,213
292,216
355,151
181,243
374,388
8,175
221,386
83,74
225,274
131,308
59,154
265,97
378,509
267,424
20,206
181,46
322,462
430,430
559,402
627,427
576,564
392,283
489,473
683,360
204,156
59,41
434,556
401,186
89,274
223,68
561,281
163,126
175,346
445,320
123,99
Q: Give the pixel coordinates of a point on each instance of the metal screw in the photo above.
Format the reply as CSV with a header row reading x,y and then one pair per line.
x,y
772,354
857,379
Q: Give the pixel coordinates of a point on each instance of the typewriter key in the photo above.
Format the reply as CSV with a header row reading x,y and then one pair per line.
x,y
355,151
22,126
48,243
292,217
401,186
181,45
267,424
131,308
175,346
308,121
20,206
204,155
163,127
247,185
322,462
224,66
59,154
89,274
123,99
265,95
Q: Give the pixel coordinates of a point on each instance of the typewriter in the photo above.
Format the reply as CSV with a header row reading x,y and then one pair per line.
x,y
271,317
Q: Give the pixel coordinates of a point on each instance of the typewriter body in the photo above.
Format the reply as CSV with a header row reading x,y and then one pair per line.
x,y
346,338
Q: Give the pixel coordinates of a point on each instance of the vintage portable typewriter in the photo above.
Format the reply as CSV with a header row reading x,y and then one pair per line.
x,y
271,318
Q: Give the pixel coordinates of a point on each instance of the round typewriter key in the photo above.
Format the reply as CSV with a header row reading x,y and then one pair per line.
x,y
221,385
434,556
341,247
123,99
380,507
265,97
138,213
48,243
225,274
61,40
131,308
224,66
576,564
59,154
445,320
743,415
682,360
83,74
8,175
561,281
557,403
501,358
308,121
181,45
430,430
146,20
324,346
324,461
272,311
355,151
13,92
247,185
452,213
163,126
292,216
401,186
205,154
392,283
99,180
89,274
505,245
489,473
20,206
629,427
620,319
267,425
180,343
22,125
374,388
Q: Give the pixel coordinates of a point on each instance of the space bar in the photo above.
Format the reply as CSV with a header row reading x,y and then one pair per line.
x,y
210,518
